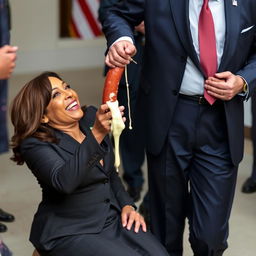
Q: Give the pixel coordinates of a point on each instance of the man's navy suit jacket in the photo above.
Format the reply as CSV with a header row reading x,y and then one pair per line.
x,y
168,44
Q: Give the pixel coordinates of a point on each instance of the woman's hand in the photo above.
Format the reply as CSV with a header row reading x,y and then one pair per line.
x,y
102,123
129,217
103,120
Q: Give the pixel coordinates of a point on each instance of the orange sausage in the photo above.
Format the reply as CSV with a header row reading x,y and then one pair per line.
x,y
111,84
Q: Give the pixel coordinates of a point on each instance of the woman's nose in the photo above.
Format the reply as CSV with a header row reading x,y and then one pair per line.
x,y
69,94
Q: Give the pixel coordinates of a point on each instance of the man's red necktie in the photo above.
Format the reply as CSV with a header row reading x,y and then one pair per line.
x,y
207,45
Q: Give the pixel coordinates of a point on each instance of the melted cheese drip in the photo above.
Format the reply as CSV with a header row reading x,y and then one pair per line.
x,y
117,127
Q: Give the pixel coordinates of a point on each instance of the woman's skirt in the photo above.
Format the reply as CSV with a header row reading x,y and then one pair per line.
x,y
114,240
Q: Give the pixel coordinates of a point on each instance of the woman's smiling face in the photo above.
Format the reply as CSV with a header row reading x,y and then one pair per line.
x,y
64,108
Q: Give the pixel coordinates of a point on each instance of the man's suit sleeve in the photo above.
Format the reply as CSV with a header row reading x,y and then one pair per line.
x,y
104,7
121,20
249,70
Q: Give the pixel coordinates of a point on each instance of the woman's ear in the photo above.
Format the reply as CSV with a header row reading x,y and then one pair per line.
x,y
44,119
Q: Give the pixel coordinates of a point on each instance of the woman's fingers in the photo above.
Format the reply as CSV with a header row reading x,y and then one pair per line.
x,y
137,220
124,218
131,220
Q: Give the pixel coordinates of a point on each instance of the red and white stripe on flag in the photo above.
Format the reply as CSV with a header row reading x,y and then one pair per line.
x,y
84,22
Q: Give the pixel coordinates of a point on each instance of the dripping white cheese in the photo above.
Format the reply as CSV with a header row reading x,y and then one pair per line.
x,y
117,126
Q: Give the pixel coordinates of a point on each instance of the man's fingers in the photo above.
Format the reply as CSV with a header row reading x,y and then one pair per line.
x,y
122,49
215,84
120,53
130,49
118,60
223,75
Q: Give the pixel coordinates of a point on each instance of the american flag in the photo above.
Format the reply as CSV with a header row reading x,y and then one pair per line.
x,y
84,23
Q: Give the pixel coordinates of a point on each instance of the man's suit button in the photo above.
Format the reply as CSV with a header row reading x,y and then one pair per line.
x,y
107,200
175,92
105,181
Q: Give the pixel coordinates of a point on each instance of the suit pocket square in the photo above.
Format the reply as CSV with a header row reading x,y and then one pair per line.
x,y
247,29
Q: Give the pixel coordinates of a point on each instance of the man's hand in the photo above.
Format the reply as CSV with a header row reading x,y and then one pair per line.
x,y
120,54
224,86
7,60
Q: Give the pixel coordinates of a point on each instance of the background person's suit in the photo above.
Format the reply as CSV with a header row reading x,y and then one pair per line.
x,y
4,40
4,142
168,44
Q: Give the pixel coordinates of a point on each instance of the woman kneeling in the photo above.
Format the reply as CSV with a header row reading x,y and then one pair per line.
x,y
85,209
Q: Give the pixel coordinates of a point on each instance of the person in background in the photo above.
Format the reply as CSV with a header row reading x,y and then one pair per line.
x,y
249,185
7,64
132,141
85,209
199,66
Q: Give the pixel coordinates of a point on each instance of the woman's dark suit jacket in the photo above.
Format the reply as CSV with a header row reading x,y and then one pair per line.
x,y
77,190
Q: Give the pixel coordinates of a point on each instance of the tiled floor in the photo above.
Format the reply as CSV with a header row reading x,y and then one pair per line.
x,y
20,194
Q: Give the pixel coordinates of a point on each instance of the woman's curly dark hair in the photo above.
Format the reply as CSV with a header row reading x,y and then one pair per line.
x,y
27,110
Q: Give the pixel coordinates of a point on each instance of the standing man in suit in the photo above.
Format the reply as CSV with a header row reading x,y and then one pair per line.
x,y
199,66
7,64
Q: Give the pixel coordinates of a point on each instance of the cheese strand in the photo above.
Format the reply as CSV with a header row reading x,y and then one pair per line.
x,y
128,97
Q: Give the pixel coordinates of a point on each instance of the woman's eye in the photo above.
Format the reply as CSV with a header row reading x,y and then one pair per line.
x,y
67,86
55,94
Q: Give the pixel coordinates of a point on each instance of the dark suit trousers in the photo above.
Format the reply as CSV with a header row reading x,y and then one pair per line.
x,y
193,177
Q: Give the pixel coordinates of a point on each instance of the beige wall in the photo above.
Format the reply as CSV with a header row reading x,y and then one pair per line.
x,y
35,31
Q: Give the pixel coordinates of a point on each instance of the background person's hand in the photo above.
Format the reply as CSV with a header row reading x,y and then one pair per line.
x,y
140,28
7,60
120,53
130,217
